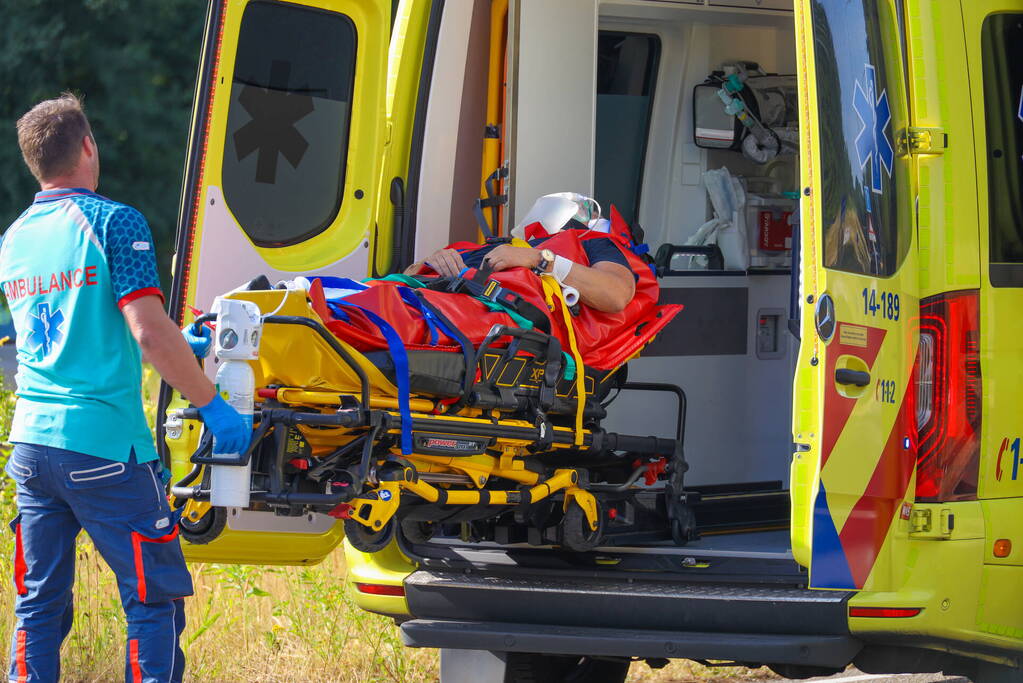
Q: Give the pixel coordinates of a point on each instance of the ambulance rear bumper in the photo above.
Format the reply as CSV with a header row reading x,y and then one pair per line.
x,y
752,648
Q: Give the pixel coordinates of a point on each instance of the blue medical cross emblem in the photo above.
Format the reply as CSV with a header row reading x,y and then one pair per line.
x,y
45,328
872,142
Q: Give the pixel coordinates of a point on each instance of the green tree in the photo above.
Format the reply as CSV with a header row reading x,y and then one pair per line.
x,y
134,62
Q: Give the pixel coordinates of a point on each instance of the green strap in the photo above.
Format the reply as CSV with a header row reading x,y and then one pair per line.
x,y
398,277
497,307
569,366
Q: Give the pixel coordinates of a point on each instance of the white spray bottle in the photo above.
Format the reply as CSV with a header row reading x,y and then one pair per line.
x,y
237,342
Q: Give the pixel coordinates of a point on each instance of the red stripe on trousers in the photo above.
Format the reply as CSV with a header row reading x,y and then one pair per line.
x,y
19,562
19,655
133,658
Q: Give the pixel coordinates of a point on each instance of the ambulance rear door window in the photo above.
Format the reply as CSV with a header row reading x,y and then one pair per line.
x,y
866,227
1002,56
288,121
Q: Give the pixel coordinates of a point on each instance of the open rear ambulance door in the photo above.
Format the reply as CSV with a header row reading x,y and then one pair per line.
x,y
854,417
281,180
286,138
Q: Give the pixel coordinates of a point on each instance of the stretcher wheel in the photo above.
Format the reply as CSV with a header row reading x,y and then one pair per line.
x,y
576,533
206,528
366,540
417,532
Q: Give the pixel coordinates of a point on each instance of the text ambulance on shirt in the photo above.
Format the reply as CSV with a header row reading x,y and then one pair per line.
x,y
67,265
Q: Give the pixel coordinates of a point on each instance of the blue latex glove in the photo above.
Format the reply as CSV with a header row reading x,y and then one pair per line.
x,y
231,431
200,338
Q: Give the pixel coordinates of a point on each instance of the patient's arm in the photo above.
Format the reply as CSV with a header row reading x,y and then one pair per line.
x,y
605,286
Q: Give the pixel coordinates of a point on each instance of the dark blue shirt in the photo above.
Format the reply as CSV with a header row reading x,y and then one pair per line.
x,y
597,249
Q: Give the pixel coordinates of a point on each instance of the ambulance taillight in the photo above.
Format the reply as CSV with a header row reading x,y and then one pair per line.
x,y
948,397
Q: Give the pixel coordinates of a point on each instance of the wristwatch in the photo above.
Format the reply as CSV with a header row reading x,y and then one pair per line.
x,y
546,261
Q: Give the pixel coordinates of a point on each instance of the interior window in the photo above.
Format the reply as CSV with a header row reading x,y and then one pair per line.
x,y
287,125
858,93
1002,49
626,72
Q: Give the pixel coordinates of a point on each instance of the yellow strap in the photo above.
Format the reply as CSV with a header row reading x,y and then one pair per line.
x,y
551,288
552,291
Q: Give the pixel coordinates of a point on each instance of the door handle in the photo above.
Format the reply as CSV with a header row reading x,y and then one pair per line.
x,y
855,377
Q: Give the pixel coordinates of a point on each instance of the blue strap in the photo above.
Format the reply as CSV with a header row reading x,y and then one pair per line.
x,y
337,311
409,297
401,372
331,282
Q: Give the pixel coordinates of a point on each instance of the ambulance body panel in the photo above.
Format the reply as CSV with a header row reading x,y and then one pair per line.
x,y
873,389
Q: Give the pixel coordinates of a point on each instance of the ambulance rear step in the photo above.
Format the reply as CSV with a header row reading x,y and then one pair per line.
x,y
586,599
586,614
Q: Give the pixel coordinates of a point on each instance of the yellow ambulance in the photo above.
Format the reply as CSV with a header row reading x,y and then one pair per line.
x,y
833,189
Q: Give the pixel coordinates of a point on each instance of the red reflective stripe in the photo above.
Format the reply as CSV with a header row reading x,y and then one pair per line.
x,y
885,612
137,540
186,262
380,589
19,562
133,659
19,656
138,294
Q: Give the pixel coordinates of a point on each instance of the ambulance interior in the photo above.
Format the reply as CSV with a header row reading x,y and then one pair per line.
x,y
626,137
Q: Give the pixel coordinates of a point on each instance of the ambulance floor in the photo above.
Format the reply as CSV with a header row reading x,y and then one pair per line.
x,y
768,545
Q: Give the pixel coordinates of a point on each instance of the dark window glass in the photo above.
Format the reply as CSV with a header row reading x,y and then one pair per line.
x,y
866,227
626,73
287,126
1002,48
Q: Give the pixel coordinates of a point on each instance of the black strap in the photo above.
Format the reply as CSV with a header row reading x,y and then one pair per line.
x,y
482,286
492,201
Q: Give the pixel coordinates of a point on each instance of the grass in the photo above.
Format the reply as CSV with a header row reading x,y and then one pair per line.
x,y
248,623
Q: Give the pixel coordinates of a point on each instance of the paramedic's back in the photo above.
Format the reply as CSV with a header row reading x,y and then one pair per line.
x,y
67,265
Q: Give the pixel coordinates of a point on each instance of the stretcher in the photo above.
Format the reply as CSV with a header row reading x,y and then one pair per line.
x,y
505,440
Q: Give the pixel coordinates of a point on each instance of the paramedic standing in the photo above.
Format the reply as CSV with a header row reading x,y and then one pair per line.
x,y
79,274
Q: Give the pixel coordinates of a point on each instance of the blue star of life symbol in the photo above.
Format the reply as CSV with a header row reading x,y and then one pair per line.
x,y
45,328
874,113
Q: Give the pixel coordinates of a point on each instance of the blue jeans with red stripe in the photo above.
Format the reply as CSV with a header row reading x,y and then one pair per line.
x,y
123,507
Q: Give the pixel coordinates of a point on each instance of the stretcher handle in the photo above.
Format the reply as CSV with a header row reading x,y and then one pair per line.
x,y
680,425
342,418
332,342
652,445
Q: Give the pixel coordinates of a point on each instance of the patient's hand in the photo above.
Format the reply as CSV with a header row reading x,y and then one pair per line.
x,y
506,256
447,263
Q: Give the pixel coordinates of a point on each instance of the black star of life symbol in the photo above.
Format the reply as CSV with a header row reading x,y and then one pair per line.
x,y
275,111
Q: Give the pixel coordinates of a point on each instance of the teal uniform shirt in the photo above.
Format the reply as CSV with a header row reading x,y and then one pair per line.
x,y
67,266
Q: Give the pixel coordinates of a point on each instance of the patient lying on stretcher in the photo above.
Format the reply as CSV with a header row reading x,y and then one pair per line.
x,y
606,283
518,283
